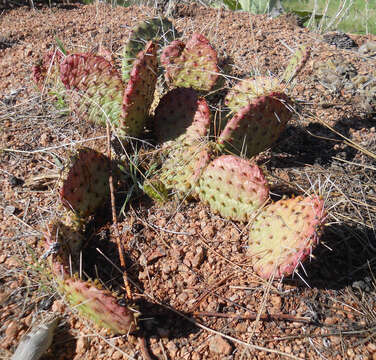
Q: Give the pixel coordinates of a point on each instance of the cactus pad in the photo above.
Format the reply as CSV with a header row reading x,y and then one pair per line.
x,y
247,90
100,306
196,67
156,190
139,93
47,73
284,234
256,126
159,30
233,188
184,166
66,242
296,63
181,111
171,52
85,182
96,86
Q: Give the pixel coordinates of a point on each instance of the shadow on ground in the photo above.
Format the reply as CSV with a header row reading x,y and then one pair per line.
x,y
345,256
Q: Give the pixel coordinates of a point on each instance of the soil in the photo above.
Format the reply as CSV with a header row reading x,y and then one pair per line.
x,y
190,267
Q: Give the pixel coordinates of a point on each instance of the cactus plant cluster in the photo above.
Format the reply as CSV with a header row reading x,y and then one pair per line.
x,y
214,169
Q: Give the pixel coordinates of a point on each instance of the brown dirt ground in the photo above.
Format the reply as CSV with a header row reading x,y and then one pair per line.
x,y
181,256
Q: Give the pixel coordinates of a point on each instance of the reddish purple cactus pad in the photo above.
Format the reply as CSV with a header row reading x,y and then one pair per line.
x,y
233,187
284,234
85,182
256,126
100,306
196,67
171,52
139,93
96,88
181,111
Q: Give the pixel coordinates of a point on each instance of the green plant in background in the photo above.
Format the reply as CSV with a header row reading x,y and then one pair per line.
x,y
353,16
252,6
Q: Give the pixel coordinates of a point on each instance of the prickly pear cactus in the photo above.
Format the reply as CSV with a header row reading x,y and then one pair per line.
x,y
100,306
196,67
159,30
284,234
95,87
139,93
255,127
85,184
179,112
233,187
84,188
247,90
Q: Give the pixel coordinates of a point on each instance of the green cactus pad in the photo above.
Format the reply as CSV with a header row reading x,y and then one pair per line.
x,y
196,67
139,93
159,30
256,126
233,187
156,189
284,234
296,63
85,184
247,90
179,112
182,169
96,87
100,306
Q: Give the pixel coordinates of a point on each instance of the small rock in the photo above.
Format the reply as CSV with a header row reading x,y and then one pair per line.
x,y
183,297
219,345
350,352
3,257
172,349
82,344
58,306
9,210
276,302
199,257
117,355
11,330
371,347
44,139
330,320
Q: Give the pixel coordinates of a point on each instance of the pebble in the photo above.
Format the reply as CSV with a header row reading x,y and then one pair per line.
x,y
82,344
219,345
117,355
11,330
371,347
172,349
58,306
199,257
